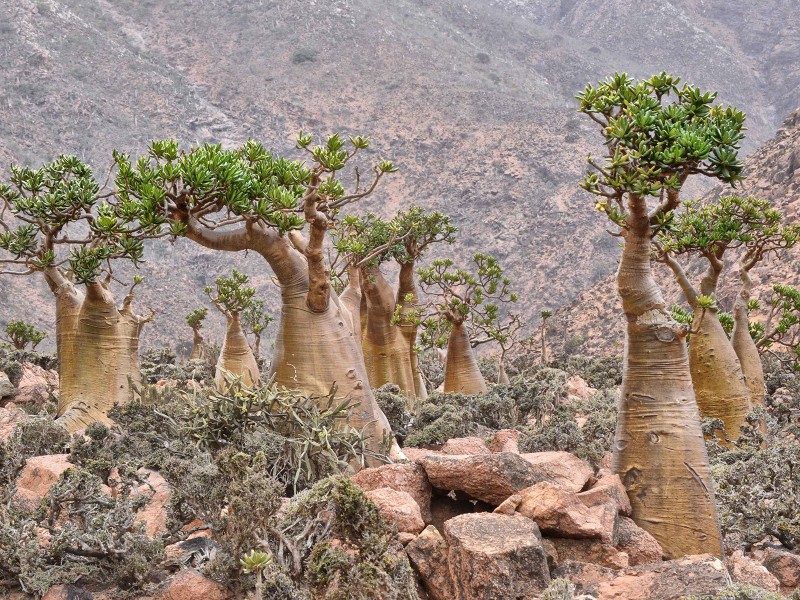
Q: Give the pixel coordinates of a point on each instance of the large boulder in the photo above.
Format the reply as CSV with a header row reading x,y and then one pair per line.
x,y
744,569
563,468
466,445
403,477
36,477
589,551
6,387
154,513
608,488
638,544
700,575
561,513
785,566
35,384
505,440
488,477
495,557
190,585
578,389
398,508
10,417
428,554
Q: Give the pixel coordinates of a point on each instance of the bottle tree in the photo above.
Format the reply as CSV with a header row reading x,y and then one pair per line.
x,y
195,320
232,297
712,232
20,334
389,343
504,332
53,221
455,298
781,328
255,319
657,134
248,198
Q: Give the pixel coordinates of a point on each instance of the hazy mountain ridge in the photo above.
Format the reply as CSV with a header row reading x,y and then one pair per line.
x,y
472,100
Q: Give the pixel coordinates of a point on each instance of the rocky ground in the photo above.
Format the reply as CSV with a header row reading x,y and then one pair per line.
x,y
492,506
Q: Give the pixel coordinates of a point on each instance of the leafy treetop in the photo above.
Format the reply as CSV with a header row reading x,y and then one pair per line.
x,y
232,295
20,334
195,318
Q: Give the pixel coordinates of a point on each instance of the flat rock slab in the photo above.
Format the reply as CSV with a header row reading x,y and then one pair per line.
x,y
495,557
562,468
488,477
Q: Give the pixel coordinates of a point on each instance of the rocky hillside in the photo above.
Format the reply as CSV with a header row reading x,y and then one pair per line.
x,y
472,99
772,172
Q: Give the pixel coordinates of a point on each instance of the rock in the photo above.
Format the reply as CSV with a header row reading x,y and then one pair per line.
x,y
465,445
403,477
744,569
189,585
698,575
586,577
6,387
428,554
563,468
560,512
785,566
36,477
405,538
608,487
415,454
398,508
35,384
640,546
10,417
509,505
578,389
446,506
488,477
495,557
608,514
67,592
154,513
589,551
505,440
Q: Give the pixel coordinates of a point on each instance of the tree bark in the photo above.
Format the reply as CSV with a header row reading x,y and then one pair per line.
x,y
407,288
659,450
461,372
236,359
198,346
351,300
386,351
98,358
743,343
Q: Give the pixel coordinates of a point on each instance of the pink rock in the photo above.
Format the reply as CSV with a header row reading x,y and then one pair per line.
x,y
465,446
405,538
35,375
563,468
608,488
428,554
190,585
495,556
488,477
415,454
403,477
36,477
744,569
10,417
509,505
67,592
505,440
154,513
589,551
398,508
641,547
560,512
785,566
578,389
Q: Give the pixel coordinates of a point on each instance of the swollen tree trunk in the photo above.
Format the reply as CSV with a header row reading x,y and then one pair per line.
x,y
719,385
386,351
406,299
461,372
236,359
502,376
351,301
659,450
744,345
98,352
198,346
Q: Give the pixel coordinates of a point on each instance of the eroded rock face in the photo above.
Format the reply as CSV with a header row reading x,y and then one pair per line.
x,y
744,569
398,508
428,554
640,546
560,512
10,417
190,585
495,557
608,488
489,477
563,468
403,477
785,566
589,551
36,477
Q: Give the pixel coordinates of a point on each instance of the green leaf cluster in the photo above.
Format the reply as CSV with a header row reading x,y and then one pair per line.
x,y
20,334
232,293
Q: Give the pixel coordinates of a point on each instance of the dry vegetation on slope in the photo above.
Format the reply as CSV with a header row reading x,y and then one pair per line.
x,y
473,100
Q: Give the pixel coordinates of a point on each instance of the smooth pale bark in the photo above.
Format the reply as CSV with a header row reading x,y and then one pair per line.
x,y
198,346
461,372
98,354
743,343
351,300
386,351
659,451
236,359
502,376
719,384
407,298
313,349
